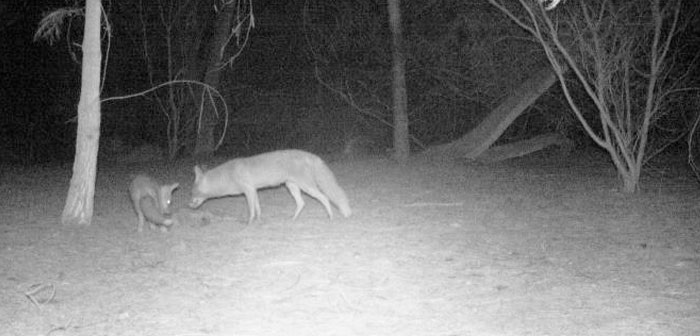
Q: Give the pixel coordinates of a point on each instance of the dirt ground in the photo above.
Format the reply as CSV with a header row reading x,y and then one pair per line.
x,y
543,245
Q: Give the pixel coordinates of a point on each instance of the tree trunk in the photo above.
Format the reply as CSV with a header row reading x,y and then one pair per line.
x,y
206,142
479,139
401,143
80,200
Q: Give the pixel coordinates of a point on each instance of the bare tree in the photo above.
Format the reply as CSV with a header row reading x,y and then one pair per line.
x,y
693,147
173,35
620,52
234,21
401,143
80,200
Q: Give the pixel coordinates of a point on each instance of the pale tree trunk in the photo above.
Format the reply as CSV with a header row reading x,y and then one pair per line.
x,y
80,200
206,142
401,142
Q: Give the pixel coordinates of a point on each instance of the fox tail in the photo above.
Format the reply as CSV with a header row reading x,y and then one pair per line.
x,y
326,181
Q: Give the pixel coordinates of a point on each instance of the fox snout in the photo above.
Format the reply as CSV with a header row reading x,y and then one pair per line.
x,y
196,202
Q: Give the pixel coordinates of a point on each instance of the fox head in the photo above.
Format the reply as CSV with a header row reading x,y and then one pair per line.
x,y
199,194
165,196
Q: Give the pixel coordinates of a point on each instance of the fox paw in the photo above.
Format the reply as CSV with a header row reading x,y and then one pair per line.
x,y
161,228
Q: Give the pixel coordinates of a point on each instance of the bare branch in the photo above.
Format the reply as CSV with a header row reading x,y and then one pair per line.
x,y
624,73
50,26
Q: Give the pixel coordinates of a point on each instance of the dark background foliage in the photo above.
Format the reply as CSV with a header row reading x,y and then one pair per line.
x,y
463,58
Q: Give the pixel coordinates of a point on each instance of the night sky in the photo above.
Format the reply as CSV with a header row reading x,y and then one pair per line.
x,y
40,82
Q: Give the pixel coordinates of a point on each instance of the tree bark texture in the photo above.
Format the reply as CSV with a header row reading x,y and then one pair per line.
x,y
78,209
401,141
206,142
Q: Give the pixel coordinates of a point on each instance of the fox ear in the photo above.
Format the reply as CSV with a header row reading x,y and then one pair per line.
x,y
197,173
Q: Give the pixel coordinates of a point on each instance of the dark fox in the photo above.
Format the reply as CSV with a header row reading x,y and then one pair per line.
x,y
152,201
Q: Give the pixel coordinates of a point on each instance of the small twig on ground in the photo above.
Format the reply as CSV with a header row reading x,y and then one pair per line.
x,y
63,327
35,289
436,204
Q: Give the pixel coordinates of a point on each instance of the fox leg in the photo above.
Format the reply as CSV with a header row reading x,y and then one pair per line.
x,y
317,194
253,205
142,218
296,194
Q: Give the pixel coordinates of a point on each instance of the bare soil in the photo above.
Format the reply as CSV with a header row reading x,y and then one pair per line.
x,y
542,245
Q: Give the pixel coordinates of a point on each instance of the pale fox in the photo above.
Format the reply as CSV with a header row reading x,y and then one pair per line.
x,y
296,169
152,201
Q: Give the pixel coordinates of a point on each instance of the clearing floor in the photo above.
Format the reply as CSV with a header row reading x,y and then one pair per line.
x,y
535,246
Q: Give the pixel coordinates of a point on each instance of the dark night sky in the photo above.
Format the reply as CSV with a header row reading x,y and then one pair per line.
x,y
31,71
39,83
34,71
